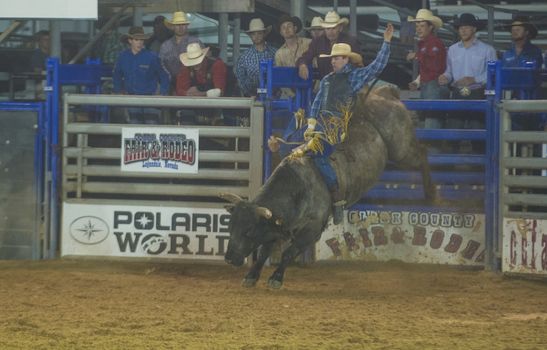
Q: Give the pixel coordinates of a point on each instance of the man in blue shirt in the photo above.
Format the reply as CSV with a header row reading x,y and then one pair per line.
x,y
522,50
336,89
138,71
247,68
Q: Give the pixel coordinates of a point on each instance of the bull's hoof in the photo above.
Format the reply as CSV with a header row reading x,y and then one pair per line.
x,y
274,284
248,282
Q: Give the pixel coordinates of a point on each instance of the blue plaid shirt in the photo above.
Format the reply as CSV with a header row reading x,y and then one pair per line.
x,y
358,77
248,68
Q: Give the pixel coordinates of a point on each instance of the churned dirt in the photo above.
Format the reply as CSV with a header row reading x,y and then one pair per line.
x,y
69,304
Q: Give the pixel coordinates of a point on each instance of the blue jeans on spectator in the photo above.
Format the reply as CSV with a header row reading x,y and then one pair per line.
x,y
433,91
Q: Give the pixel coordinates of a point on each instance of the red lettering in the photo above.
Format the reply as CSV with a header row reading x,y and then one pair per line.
x,y
437,239
419,236
544,253
363,232
397,235
513,249
454,243
524,251
379,235
480,257
470,249
350,242
334,245
533,253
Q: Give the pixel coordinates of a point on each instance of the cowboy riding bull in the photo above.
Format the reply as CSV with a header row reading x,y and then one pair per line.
x,y
345,153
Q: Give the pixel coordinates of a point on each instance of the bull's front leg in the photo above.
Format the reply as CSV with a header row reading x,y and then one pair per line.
x,y
276,279
254,273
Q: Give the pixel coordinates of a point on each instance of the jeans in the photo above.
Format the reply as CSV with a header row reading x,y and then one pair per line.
x,y
433,91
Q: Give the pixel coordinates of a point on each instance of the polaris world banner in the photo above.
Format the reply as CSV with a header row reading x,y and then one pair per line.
x,y
414,237
160,150
144,232
525,246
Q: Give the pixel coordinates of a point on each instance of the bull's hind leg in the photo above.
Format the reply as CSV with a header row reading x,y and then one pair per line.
x,y
416,158
254,273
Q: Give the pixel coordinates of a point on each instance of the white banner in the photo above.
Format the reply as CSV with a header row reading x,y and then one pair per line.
x,y
525,246
135,231
34,9
160,150
415,237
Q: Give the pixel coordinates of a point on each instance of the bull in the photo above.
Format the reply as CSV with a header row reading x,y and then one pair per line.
x,y
294,204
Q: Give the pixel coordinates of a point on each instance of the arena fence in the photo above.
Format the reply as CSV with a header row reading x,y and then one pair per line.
x,y
112,182
523,187
23,195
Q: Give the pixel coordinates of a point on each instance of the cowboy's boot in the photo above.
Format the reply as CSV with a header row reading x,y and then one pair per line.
x,y
338,203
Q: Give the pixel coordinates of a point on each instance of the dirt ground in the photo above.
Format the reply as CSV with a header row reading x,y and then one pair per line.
x,y
67,304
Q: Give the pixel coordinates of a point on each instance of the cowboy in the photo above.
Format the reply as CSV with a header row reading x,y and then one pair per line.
x,y
247,68
315,28
337,89
467,59
522,50
171,49
160,35
41,53
466,68
431,57
333,26
201,75
293,47
138,71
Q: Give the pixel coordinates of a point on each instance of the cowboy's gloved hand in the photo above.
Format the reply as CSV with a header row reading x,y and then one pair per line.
x,y
308,134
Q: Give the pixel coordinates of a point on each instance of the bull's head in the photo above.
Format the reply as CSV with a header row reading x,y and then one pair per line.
x,y
249,225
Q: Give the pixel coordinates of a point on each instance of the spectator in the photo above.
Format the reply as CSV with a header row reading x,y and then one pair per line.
x,y
333,26
171,49
39,56
111,45
431,57
293,47
522,50
138,71
201,75
247,68
161,34
315,28
466,68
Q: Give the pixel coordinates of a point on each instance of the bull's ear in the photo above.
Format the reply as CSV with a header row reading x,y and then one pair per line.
x,y
229,208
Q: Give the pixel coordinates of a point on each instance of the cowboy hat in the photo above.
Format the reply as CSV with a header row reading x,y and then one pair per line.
x,y
256,25
315,23
294,20
134,33
425,15
524,21
332,19
194,55
468,19
179,17
342,49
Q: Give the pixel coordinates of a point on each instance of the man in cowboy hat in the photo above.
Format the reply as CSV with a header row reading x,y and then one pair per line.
x,y
160,35
247,68
337,89
138,71
333,25
315,28
522,50
171,49
201,75
431,57
293,47
466,68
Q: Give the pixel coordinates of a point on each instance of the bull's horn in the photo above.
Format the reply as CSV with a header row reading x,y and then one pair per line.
x,y
264,212
230,197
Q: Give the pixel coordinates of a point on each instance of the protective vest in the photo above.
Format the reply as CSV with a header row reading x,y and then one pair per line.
x,y
337,92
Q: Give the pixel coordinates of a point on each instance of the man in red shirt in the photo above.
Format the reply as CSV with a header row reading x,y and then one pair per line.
x,y
431,57
201,75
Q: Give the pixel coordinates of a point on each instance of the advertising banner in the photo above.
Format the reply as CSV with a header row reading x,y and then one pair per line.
x,y
144,232
160,150
415,237
525,246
